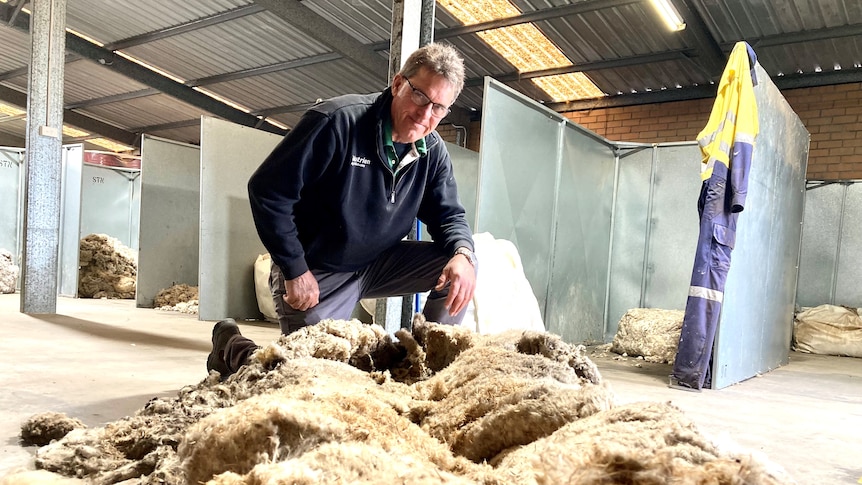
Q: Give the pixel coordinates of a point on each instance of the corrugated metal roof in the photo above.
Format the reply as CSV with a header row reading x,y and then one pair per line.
x,y
297,86
87,80
111,20
263,62
143,112
186,134
16,50
248,42
367,21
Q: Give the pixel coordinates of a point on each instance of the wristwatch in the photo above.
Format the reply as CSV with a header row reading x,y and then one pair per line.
x,y
470,255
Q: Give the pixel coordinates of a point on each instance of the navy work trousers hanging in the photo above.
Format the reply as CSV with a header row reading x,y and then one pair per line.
x,y
706,293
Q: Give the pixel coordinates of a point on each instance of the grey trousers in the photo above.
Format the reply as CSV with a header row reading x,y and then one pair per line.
x,y
407,268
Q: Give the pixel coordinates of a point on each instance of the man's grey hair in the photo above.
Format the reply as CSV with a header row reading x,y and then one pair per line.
x,y
441,59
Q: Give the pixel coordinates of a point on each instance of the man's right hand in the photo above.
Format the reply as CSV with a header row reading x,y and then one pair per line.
x,y
302,292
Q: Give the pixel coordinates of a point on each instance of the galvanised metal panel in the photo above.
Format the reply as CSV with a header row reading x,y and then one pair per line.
x,y
824,205
170,217
518,169
466,165
12,200
848,287
757,316
630,219
577,291
70,220
655,229
674,226
229,244
107,203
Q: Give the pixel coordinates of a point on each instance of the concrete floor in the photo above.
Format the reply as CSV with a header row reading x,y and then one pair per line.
x,y
100,360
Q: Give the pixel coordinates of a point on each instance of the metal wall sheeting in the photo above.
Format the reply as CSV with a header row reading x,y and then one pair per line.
x,y
170,217
757,317
70,220
111,203
465,163
547,185
577,289
229,244
12,201
603,227
95,200
655,229
831,245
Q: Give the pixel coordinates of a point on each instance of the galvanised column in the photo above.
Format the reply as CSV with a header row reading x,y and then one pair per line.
x,y
44,158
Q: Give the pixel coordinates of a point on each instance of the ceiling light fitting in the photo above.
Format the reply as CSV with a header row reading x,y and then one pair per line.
x,y
669,15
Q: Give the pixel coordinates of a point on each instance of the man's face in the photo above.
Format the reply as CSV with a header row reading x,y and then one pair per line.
x,y
410,121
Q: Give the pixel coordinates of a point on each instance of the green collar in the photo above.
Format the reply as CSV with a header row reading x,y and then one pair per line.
x,y
389,146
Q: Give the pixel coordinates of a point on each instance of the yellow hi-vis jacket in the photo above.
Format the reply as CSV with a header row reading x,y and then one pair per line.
x,y
727,141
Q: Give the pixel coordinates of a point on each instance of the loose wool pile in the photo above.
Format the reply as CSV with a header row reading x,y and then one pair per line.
x,y
178,298
342,402
108,269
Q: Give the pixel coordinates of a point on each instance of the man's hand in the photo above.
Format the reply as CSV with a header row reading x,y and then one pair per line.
x,y
461,276
302,292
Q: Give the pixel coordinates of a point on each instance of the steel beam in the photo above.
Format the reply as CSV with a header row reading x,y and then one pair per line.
x,y
588,66
700,92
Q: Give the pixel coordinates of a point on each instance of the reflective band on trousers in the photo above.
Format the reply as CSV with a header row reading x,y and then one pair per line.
x,y
705,293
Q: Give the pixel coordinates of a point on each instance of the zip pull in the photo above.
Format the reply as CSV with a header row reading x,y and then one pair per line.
x,y
392,196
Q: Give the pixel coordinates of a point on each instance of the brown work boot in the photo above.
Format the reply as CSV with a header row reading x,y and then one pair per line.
x,y
222,332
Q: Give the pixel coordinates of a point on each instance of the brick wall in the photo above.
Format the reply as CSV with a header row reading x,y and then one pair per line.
x,y
831,114
450,133
648,123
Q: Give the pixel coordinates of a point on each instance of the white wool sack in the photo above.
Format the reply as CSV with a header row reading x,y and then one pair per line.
x,y
504,299
262,267
829,330
8,272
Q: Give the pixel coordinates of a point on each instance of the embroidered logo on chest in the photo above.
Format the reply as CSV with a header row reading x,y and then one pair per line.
x,y
358,161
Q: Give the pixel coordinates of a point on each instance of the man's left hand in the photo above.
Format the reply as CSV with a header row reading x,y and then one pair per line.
x,y
461,277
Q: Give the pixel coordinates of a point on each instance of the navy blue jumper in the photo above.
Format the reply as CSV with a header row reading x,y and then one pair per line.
x,y
327,199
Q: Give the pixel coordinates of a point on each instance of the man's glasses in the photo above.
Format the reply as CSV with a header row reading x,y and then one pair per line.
x,y
421,99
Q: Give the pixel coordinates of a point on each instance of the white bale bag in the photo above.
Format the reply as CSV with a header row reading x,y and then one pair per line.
x,y
504,299
262,268
829,330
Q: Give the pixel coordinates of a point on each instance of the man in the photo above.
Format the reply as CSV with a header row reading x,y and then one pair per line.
x,y
334,200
